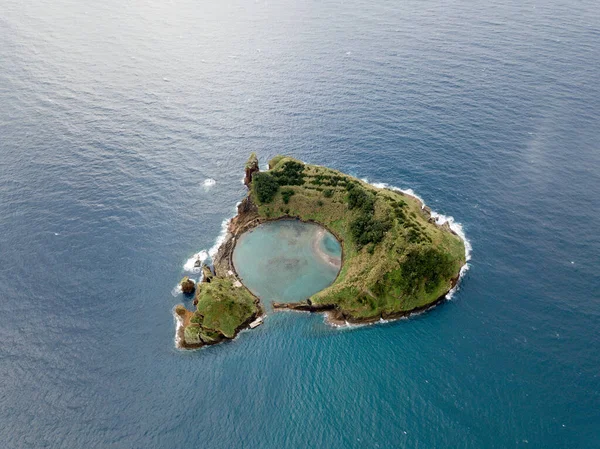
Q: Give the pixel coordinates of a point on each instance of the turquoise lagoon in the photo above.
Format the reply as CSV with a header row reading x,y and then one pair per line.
x,y
287,260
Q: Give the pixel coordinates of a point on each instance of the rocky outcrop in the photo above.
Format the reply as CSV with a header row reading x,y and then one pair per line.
x,y
305,306
251,168
207,273
187,285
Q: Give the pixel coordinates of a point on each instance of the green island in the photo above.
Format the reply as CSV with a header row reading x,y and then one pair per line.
x,y
396,259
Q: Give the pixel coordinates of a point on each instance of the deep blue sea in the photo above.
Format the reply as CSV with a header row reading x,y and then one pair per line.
x,y
114,118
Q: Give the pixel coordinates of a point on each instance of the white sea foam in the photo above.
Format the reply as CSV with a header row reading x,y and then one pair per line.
x,y
220,239
208,183
440,219
178,325
191,262
350,326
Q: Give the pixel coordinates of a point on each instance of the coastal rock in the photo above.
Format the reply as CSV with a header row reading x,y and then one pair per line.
x,y
187,285
306,306
207,273
180,310
247,207
251,168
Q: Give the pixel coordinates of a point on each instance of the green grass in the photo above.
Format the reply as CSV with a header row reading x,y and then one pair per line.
x,y
223,308
394,259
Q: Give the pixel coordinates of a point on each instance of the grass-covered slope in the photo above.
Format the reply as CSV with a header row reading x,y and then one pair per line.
x,y
222,309
395,258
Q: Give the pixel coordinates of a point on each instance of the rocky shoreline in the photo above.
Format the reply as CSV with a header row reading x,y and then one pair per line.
x,y
337,318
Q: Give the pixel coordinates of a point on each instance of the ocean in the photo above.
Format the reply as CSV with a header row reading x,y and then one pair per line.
x,y
124,128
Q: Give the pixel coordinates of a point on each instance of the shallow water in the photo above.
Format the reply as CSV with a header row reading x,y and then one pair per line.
x,y
287,260
115,115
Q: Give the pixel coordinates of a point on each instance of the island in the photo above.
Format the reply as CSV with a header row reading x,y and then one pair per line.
x,y
396,259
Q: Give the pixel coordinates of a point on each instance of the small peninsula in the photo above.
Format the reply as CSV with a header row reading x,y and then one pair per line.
x,y
396,259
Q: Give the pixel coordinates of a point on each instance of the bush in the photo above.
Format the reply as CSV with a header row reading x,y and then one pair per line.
x,y
291,174
286,194
328,193
359,198
265,186
426,267
365,229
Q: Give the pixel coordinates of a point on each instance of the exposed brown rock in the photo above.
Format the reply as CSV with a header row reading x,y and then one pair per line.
x,y
207,273
251,168
187,285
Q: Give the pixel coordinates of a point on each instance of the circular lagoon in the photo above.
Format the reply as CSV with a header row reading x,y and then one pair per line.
x,y
287,260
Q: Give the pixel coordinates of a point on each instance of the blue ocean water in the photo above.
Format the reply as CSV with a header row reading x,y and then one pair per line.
x,y
113,117
287,260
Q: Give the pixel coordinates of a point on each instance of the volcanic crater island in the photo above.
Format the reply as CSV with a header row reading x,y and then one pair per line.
x,y
313,239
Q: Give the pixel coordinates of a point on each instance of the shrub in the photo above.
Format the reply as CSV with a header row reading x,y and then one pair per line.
x,y
265,186
291,174
425,267
286,194
365,229
328,193
359,198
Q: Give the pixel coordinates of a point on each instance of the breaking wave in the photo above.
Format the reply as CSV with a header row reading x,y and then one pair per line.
x,y
189,265
203,255
208,183
220,239
178,327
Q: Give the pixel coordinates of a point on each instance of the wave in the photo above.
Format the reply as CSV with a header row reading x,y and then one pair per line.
x,y
440,219
203,255
178,326
189,265
208,183
220,239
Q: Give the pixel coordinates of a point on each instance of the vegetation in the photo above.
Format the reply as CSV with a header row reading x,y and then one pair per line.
x,y
394,259
223,308
252,161
265,186
291,173
364,227
286,194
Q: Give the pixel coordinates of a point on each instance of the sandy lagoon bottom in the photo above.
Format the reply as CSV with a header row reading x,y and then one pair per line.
x,y
287,260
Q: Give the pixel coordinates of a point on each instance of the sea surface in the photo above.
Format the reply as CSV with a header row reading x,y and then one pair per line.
x,y
287,260
124,128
